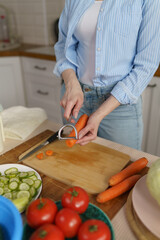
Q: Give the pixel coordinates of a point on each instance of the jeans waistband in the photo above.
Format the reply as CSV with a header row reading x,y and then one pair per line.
x,y
98,90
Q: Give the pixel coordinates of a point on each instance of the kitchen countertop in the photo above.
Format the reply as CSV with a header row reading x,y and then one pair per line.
x,y
119,222
40,52
31,50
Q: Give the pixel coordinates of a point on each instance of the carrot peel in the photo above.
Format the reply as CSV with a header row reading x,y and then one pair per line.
x,y
118,189
130,170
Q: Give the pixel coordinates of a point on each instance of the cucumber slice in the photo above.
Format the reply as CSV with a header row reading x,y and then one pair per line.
x,y
1,184
22,194
37,183
13,186
6,189
1,191
12,175
24,187
23,175
32,191
8,195
31,173
15,179
11,171
29,181
34,177
4,179
21,203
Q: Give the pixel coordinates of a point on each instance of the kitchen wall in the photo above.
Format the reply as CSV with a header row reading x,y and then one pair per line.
x,y
34,19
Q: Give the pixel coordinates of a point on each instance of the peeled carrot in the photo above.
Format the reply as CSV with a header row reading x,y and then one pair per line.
x,y
40,156
81,123
118,189
49,152
130,170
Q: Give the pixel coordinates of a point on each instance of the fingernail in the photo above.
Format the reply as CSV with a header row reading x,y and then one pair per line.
x,y
80,136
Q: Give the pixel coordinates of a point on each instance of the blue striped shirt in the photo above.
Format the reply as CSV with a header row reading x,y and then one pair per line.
x,y
127,51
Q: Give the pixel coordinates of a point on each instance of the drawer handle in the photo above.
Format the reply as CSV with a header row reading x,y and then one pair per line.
x,y
42,93
40,68
152,85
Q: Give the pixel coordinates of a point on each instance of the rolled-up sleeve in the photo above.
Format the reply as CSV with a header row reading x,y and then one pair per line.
x,y
147,59
62,62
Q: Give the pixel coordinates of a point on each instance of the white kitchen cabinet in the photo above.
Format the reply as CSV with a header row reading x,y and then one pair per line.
x,y
42,87
11,82
151,116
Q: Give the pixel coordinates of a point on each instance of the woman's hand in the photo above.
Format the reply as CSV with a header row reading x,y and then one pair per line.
x,y
89,133
72,100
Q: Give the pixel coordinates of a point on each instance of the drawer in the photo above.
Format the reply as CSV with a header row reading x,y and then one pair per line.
x,y
38,66
43,89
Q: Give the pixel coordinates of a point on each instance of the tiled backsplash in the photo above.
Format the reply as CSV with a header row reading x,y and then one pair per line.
x,y
35,18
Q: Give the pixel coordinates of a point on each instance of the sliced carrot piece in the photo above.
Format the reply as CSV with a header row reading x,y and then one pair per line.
x,y
118,189
81,123
49,152
40,156
130,170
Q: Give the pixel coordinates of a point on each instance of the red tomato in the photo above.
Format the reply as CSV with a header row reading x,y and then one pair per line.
x,y
94,229
76,198
41,211
68,221
47,232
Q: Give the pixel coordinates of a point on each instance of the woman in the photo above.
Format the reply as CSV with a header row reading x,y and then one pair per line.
x,y
107,53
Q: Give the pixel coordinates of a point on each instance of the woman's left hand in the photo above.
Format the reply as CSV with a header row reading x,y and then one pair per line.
x,y
89,133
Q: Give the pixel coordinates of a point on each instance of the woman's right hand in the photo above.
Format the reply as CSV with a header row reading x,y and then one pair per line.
x,y
73,98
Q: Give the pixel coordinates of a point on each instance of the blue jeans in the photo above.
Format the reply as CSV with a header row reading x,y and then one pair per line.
x,y
124,125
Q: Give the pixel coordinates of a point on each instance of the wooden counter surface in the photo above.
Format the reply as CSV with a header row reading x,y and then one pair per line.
x,y
21,52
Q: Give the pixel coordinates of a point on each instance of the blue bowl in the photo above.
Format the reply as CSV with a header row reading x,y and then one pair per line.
x,y
11,226
92,212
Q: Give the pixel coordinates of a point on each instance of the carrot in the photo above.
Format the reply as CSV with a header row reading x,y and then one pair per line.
x,y
49,152
40,156
81,123
118,189
130,170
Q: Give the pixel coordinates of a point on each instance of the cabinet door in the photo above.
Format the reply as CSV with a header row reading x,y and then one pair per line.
x,y
153,129
11,83
42,87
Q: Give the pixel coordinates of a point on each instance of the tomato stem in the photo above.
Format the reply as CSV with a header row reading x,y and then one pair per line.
x,y
93,228
42,234
41,204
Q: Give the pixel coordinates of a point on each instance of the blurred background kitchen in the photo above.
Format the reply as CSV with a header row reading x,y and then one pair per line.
x,y
28,32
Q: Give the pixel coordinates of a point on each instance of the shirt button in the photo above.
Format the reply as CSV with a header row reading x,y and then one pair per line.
x,y
102,9
98,68
98,49
99,29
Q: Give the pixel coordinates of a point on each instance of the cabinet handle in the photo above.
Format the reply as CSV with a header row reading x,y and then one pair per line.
x,y
152,85
40,68
42,93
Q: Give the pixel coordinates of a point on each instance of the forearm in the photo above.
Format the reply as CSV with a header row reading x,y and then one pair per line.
x,y
106,107
70,78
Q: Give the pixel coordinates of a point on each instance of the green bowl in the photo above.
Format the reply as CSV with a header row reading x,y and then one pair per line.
x,y
91,212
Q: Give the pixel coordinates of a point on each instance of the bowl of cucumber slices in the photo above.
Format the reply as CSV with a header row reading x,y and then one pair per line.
x,y
20,184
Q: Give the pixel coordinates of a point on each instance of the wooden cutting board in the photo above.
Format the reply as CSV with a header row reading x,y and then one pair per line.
x,y
88,166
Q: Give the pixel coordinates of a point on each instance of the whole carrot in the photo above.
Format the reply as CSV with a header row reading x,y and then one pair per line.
x,y
130,170
81,123
118,189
